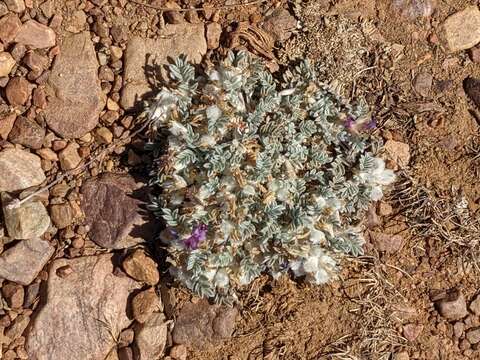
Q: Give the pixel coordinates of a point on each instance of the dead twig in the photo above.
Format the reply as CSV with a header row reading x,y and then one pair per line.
x,y
223,7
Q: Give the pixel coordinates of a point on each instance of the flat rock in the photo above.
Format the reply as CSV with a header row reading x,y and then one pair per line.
x,y
24,261
26,221
62,215
18,91
201,324
280,24
399,152
35,35
83,313
151,337
75,95
6,125
386,242
461,30
113,207
27,132
20,170
145,57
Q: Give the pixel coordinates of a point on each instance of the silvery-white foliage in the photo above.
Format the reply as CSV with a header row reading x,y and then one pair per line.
x,y
259,175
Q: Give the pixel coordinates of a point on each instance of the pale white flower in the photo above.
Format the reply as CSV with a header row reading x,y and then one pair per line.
x,y
221,279
318,266
207,141
317,236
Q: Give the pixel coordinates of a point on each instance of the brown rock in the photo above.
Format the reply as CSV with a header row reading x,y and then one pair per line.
x,y
403,355
179,352
6,125
119,33
69,158
18,327
141,267
386,242
14,294
18,90
3,9
200,324
31,295
103,135
7,62
28,133
77,22
39,98
145,304
17,6
9,27
279,24
213,32
47,154
173,17
35,35
453,307
126,337
62,215
151,337
64,271
20,170
412,331
29,220
125,353
115,217
73,305
461,30
458,329
473,336
35,61
475,305
423,83
76,98
474,54
399,152
471,86
173,41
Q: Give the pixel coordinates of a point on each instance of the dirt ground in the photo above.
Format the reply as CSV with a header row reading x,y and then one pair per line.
x,y
375,49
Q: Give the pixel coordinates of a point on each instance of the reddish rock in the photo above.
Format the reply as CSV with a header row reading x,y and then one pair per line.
x,y
399,152
17,6
28,133
24,261
423,83
386,242
9,27
125,353
18,90
179,352
471,86
151,337
14,294
213,32
75,96
452,307
35,61
412,331
35,35
200,324
39,98
115,217
66,323
173,16
474,54
6,125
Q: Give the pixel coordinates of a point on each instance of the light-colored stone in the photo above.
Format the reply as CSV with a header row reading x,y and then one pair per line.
x,y
141,267
175,40
9,27
461,30
6,125
22,262
83,313
399,152
386,242
7,62
29,220
179,352
151,337
69,157
103,135
475,305
76,98
20,170
62,215
17,6
213,32
35,35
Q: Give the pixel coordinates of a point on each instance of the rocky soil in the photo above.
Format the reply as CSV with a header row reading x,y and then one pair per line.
x,y
81,275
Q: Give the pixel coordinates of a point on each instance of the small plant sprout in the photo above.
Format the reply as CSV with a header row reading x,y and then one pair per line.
x,y
259,175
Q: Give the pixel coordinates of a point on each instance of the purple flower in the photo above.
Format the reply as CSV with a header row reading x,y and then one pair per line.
x,y
199,234
349,122
370,125
173,232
